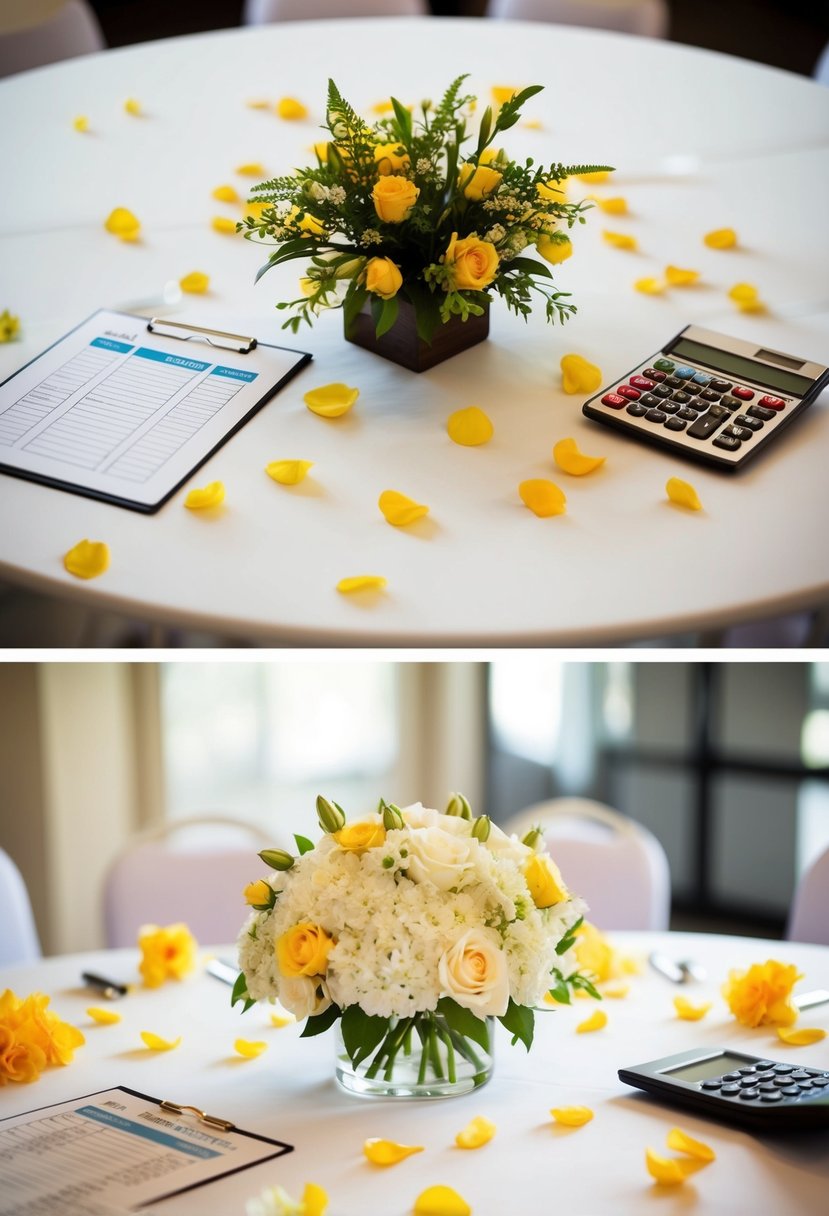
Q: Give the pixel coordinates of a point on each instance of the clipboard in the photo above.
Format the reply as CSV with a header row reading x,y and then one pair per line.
x,y
143,1133
125,411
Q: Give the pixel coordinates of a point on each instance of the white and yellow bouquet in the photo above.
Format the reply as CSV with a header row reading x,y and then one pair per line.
x,y
411,927
399,210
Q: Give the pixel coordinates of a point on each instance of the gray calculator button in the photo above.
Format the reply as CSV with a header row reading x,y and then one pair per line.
x,y
689,387
799,1074
729,442
820,1081
745,1071
791,1091
766,1087
748,1094
813,1072
675,424
735,1089
730,403
748,1082
781,1082
783,1068
753,424
636,409
767,1075
765,1064
656,416
669,407
759,411
731,1076
773,1095
705,425
713,1084
807,1084
690,415
741,432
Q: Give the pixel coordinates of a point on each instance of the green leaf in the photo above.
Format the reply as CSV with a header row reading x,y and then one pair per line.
x,y
560,990
404,120
485,129
320,1023
519,1020
303,844
528,266
581,981
388,316
361,1032
465,1022
240,992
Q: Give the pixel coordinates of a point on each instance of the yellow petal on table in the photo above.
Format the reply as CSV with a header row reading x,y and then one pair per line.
x,y
670,1171
649,286
223,224
543,498
131,106
567,456
389,1152
361,582
682,493
800,1038
314,1200
595,179
249,1049
579,376
721,238
441,1201
253,168
87,559
596,1021
399,511
9,326
331,400
679,277
254,210
616,992
225,194
211,495
258,103
81,123
612,206
555,191
195,283
746,297
281,1020
288,472
572,1116
122,223
533,124
156,1043
105,1017
469,427
478,1131
291,109
620,240
689,1012
681,1142
502,93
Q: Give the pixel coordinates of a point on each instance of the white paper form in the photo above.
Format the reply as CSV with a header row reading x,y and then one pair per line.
x,y
116,412
114,1149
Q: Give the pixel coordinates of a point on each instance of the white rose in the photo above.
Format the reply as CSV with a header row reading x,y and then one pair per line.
x,y
304,997
505,846
438,857
473,972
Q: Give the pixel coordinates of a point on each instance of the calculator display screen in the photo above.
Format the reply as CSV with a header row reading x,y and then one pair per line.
x,y
738,366
714,1066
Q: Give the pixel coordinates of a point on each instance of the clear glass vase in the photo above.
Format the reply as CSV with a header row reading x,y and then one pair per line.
x,y
419,1057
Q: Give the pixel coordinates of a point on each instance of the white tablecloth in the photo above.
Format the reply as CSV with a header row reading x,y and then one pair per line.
x,y
531,1165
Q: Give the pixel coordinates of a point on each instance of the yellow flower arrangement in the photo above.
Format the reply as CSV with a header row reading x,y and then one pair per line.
x,y
32,1037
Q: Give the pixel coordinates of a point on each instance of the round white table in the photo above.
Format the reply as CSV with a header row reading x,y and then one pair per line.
x,y
700,141
289,1093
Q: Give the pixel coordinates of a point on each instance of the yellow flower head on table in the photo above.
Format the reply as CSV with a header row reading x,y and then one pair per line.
x,y
304,950
32,1037
167,952
762,995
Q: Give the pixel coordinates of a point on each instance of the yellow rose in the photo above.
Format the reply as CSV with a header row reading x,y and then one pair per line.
x,y
554,252
303,950
383,278
762,995
165,953
545,882
475,262
394,198
257,892
387,158
358,837
594,953
476,182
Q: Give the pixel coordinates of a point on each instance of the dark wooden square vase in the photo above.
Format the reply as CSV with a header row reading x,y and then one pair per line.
x,y
402,345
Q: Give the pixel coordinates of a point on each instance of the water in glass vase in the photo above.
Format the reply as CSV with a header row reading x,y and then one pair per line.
x,y
419,1057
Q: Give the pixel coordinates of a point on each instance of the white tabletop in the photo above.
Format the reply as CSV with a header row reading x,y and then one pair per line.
x,y
289,1093
700,141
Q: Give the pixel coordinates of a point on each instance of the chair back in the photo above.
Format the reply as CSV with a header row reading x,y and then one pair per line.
x,y
809,919
648,18
19,942
617,866
261,12
191,870
71,30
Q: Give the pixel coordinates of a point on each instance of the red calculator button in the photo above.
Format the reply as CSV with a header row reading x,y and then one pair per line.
x,y
614,401
745,394
641,382
650,373
632,394
772,403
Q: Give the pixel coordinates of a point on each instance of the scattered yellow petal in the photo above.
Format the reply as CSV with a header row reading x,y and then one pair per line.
x,y
361,582
331,400
106,1017
572,1116
612,206
314,1200
87,559
156,1043
400,510
689,1012
133,107
470,427
681,1142
225,194
291,109
389,1152
258,103
252,168
9,326
596,1021
620,240
478,1131
123,223
254,210
677,277
211,495
382,107
800,1038
579,376
281,1020
721,238
533,124
616,992
682,493
249,1049
554,251
195,283
669,1170
221,223
649,286
441,1201
288,472
567,456
502,93
81,123
746,297
321,151
543,498
595,179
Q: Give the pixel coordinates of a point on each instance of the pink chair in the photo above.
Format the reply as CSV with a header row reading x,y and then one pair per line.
x,y
19,942
809,919
618,867
68,30
648,18
261,12
191,870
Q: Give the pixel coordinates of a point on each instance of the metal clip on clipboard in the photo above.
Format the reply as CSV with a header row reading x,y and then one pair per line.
x,y
172,1108
214,337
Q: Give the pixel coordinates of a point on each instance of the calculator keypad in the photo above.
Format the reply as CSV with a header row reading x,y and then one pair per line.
x,y
767,1082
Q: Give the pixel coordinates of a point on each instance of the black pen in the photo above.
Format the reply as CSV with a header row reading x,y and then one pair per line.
x,y
111,989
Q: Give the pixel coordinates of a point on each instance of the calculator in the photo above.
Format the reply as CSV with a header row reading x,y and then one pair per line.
x,y
740,1088
710,398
